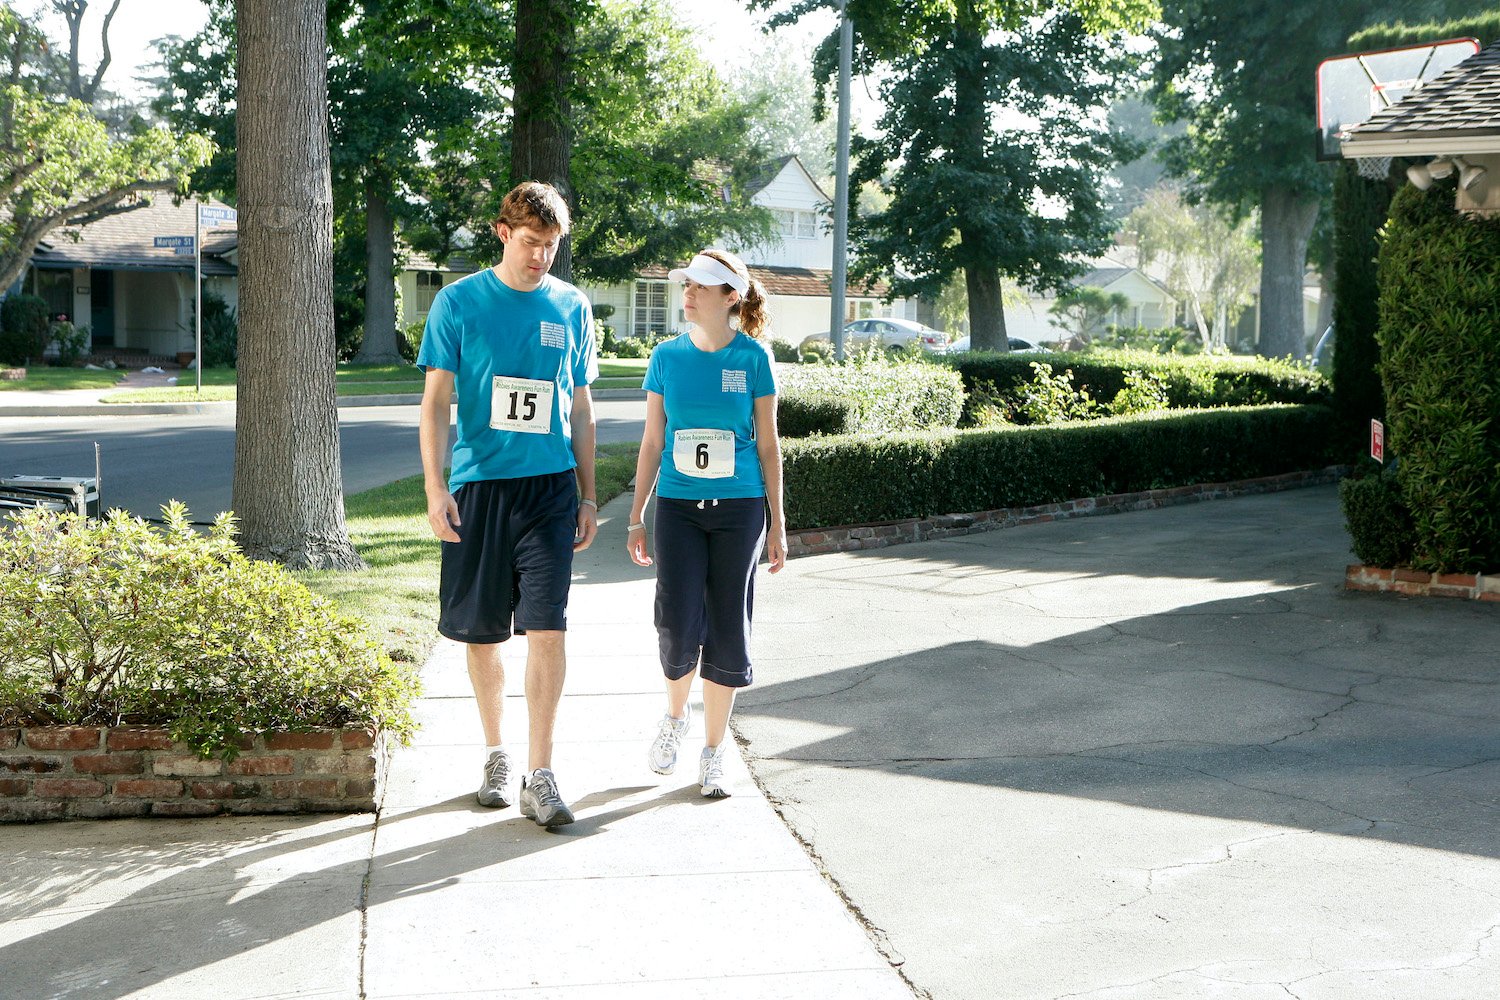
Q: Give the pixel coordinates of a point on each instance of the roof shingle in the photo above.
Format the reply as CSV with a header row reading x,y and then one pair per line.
x,y
1464,101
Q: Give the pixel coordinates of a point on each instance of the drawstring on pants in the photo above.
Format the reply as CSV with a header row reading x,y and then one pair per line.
x,y
702,502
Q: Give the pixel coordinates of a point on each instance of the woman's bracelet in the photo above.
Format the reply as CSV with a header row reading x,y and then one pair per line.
x,y
637,526
592,503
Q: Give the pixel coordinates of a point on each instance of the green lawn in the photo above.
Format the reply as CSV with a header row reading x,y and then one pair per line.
x,y
62,378
397,594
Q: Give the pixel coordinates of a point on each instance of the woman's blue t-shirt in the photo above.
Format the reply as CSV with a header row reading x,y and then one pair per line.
x,y
540,344
709,452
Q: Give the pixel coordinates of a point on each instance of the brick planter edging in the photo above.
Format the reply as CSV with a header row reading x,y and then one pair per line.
x,y
88,772
1419,583
849,538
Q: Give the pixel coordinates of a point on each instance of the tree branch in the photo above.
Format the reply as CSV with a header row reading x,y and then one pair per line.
x,y
14,258
104,59
106,212
17,177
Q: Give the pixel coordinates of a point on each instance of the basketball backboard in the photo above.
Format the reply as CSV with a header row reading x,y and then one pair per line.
x,y
1352,88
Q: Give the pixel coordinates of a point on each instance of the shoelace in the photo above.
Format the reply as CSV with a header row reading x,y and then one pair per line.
x,y
497,770
713,770
667,735
546,790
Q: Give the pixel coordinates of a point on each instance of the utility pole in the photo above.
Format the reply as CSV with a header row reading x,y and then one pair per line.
x,y
841,188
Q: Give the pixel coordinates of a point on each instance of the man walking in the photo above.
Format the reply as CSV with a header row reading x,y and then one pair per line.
x,y
518,346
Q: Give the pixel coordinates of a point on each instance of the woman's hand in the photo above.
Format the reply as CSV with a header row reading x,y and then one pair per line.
x,y
776,546
635,546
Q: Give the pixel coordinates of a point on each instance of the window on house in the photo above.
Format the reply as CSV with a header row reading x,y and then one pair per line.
x,y
650,313
428,284
57,288
795,224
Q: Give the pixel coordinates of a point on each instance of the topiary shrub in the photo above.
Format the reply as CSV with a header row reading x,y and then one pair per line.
x,y
23,329
783,351
887,394
1360,208
112,622
802,413
1380,526
1439,339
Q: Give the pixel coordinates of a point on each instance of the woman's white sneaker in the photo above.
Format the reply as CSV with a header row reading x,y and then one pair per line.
x,y
662,757
711,773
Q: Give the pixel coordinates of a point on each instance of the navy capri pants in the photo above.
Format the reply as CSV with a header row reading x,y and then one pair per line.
x,y
706,551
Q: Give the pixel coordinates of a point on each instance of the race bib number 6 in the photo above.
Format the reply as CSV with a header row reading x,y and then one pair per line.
x,y
704,454
521,404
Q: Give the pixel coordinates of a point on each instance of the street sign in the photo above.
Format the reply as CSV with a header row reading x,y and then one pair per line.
x,y
183,244
1377,441
214,215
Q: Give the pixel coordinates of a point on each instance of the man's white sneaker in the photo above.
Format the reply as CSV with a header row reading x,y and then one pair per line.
x,y
662,757
540,800
711,773
494,791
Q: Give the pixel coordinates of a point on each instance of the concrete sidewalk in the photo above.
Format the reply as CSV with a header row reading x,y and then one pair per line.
x,y
654,892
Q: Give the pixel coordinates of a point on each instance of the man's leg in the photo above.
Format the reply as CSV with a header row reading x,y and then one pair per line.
x,y
487,675
546,668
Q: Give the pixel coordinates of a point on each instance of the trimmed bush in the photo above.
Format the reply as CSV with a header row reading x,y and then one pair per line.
x,y
856,480
1188,380
886,394
115,622
1380,526
803,414
221,332
23,329
1440,365
1360,208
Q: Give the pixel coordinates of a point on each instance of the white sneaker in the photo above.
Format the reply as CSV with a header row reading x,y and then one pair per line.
x,y
711,773
662,756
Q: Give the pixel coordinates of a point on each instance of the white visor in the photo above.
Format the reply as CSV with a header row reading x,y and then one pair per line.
x,y
707,271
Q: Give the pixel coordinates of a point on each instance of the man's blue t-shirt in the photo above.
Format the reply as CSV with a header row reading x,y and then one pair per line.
x,y
517,358
709,453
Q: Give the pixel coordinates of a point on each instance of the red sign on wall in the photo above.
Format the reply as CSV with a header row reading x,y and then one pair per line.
x,y
1377,441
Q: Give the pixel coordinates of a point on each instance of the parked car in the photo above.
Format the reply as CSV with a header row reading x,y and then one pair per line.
x,y
1322,352
888,333
1016,345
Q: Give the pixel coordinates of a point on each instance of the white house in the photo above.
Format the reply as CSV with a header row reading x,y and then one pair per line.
x,y
1149,303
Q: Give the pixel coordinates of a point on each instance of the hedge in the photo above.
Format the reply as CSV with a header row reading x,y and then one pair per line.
x,y
1379,524
803,413
1440,365
858,480
881,394
1190,380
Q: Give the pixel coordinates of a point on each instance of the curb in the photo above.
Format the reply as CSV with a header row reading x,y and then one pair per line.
x,y
1420,583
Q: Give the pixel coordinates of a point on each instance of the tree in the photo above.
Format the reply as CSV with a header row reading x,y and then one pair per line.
x,y
404,76
784,116
1210,263
659,158
967,194
1083,311
59,165
543,74
288,488
1241,74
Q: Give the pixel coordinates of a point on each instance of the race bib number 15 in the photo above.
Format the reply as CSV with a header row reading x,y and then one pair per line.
x,y
521,404
704,454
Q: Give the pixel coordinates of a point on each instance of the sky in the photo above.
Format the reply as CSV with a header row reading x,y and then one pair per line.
x,y
730,36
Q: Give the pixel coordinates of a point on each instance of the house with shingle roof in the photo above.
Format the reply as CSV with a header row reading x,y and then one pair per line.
x,y
796,266
135,298
1455,117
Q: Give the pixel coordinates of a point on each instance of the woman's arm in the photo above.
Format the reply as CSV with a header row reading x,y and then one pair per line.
x,y
768,447
647,465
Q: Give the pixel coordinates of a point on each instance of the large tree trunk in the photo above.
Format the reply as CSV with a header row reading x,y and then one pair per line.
x,y
288,489
379,344
986,310
541,136
1286,222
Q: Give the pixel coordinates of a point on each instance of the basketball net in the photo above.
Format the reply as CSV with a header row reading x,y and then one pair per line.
x,y
1375,168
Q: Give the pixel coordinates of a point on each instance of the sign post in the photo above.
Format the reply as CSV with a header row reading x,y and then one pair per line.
x,y
198,296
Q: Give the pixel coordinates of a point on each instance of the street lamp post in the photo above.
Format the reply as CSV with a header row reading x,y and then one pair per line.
x,y
841,188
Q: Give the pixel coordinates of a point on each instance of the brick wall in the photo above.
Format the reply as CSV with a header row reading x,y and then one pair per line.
x,y
1418,583
875,536
77,772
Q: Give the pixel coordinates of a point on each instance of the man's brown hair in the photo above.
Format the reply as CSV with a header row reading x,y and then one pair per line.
x,y
536,205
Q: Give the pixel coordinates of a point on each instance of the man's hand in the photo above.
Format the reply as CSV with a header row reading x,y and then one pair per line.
x,y
588,527
442,515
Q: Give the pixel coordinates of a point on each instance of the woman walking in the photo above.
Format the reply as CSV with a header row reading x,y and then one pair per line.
x,y
712,449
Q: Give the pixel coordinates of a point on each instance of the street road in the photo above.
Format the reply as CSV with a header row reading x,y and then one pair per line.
x,y
148,460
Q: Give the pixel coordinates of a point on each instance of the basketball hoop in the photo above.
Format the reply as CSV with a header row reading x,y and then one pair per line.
x,y
1354,87
1375,168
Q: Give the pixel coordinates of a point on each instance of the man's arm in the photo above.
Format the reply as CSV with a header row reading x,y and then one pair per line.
x,y
432,433
582,422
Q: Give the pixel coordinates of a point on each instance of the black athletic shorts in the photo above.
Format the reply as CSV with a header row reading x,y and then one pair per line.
x,y
510,570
